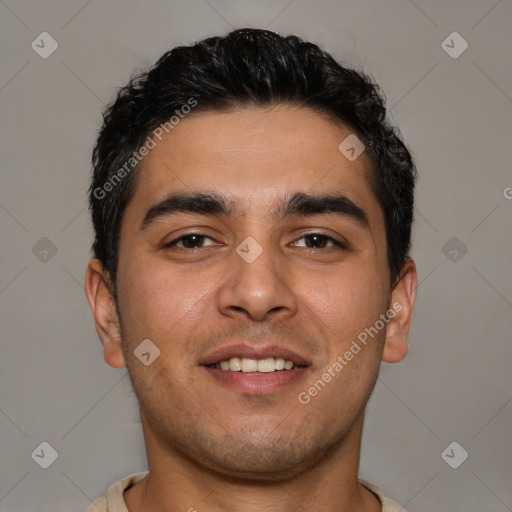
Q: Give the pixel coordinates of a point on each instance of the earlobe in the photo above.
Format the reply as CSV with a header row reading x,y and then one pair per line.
x,y
101,301
403,296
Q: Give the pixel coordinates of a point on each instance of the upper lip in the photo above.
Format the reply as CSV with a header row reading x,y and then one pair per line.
x,y
251,352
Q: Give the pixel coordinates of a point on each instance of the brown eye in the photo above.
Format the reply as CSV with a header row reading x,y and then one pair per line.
x,y
319,241
190,241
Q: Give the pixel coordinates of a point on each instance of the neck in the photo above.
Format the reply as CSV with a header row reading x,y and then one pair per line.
x,y
175,482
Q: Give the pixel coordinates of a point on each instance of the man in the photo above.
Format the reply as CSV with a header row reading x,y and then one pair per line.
x,y
252,210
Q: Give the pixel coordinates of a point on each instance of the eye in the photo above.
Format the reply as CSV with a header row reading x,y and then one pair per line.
x,y
190,241
319,241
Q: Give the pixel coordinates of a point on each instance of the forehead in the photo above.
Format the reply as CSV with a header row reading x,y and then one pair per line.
x,y
253,156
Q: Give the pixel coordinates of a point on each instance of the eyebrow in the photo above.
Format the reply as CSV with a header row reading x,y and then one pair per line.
x,y
300,204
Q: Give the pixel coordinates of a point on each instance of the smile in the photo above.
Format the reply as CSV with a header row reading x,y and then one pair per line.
x,y
255,366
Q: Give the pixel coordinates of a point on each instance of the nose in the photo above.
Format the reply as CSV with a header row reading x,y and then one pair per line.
x,y
258,289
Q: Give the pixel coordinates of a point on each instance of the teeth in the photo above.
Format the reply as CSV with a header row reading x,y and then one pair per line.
x,y
234,364
279,362
268,365
249,365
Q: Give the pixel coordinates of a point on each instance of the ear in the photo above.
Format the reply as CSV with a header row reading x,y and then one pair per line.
x,y
403,296
101,300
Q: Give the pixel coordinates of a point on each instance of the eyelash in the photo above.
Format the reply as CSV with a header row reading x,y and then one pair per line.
x,y
336,243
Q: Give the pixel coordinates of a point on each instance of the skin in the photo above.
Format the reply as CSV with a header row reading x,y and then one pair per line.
x,y
208,446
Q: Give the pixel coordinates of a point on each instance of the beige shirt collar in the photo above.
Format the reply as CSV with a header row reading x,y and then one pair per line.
x,y
114,502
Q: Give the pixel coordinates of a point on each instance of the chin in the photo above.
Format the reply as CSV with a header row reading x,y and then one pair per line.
x,y
258,469
262,459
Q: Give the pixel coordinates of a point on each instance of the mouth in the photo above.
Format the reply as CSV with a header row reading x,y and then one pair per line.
x,y
255,366
255,371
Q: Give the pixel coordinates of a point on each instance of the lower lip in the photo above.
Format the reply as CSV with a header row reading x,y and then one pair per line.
x,y
262,384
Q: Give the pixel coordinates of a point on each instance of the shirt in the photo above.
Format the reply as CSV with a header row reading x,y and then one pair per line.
x,y
114,502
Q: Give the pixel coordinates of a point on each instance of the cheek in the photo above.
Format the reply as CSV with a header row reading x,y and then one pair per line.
x,y
156,298
347,300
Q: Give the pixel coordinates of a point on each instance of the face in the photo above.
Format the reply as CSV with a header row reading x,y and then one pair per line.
x,y
254,268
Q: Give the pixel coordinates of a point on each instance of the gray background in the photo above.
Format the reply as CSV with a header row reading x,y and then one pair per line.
x,y
455,114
